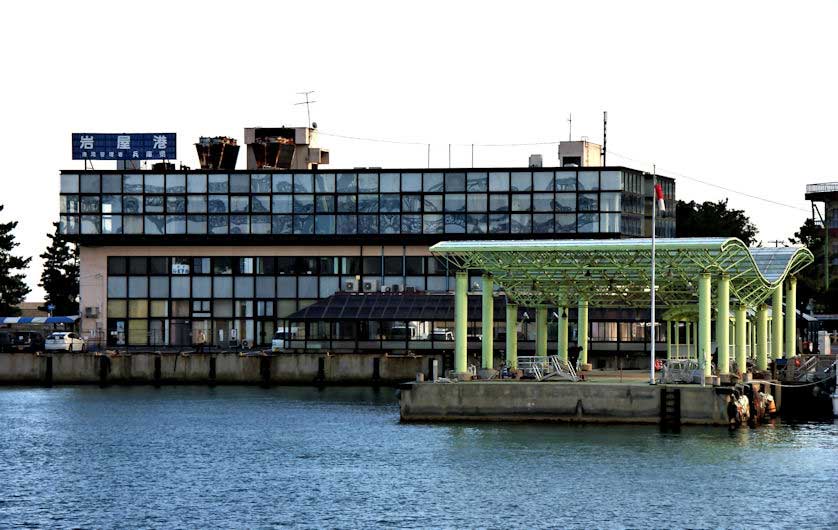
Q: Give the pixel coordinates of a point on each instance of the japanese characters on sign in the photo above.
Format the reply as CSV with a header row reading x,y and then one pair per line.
x,y
127,146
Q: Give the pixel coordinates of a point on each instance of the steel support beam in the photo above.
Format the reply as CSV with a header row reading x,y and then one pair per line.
x,y
582,331
512,335
762,338
541,330
791,317
741,334
460,322
488,331
688,341
777,323
704,322
723,323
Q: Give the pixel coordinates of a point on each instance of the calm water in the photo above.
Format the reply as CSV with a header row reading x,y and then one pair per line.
x,y
194,457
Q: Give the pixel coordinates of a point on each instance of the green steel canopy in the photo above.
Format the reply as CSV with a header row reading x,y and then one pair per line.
x,y
616,273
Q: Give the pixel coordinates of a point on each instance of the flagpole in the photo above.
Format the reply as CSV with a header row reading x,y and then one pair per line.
x,y
652,290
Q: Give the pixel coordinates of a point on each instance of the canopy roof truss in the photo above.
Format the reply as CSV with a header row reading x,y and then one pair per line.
x,y
616,273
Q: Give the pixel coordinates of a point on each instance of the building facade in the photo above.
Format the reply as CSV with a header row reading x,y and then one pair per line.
x,y
174,257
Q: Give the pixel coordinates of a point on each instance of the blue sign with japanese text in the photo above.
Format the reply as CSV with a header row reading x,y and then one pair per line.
x,y
125,146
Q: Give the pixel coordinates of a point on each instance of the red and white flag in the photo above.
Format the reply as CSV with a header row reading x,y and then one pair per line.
x,y
659,197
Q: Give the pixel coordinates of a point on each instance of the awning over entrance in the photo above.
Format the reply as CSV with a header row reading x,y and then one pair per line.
x,y
38,320
616,273
389,306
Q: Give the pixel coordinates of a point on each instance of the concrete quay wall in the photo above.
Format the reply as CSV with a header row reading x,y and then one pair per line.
x,y
558,402
206,368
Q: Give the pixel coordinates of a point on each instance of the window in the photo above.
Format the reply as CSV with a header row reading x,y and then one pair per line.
x,y
239,183
111,183
196,204
543,181
411,182
175,183
196,183
346,183
588,202
217,184
117,266
69,183
137,266
303,183
521,181
90,183
372,266
455,182
477,182
261,204
368,183
239,204
393,266
260,183
433,203
303,203
159,265
324,183
588,180
604,331
153,184
176,204
432,182
281,204
132,184
389,183
222,265
281,183
455,202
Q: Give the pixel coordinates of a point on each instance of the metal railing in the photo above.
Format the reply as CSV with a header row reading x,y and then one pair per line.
x,y
825,187
547,367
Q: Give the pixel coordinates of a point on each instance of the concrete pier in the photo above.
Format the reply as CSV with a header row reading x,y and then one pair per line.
x,y
210,369
558,402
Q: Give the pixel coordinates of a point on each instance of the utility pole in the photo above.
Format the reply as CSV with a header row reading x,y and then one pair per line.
x,y
569,127
307,102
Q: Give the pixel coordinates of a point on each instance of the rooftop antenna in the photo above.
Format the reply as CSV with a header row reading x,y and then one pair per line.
x,y
604,135
569,127
307,102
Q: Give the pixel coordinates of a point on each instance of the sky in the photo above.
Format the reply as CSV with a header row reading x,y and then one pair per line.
x,y
736,94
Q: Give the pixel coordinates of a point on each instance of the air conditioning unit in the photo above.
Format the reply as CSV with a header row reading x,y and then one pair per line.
x,y
91,312
370,286
385,289
396,288
410,289
349,286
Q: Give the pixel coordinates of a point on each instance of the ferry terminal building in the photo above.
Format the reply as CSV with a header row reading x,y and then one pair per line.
x,y
333,260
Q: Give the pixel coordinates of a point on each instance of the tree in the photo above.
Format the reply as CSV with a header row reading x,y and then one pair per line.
x,y
12,287
810,281
713,219
60,277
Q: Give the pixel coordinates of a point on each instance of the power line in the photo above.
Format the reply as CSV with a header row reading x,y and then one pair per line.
x,y
556,142
408,142
713,185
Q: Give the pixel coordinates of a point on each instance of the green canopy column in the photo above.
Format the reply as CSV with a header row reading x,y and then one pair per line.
x,y
688,341
723,323
488,332
791,316
677,338
704,322
460,322
740,338
563,332
762,338
511,335
777,323
668,340
582,331
541,330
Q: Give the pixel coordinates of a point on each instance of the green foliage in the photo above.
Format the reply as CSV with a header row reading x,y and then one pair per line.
x,y
12,286
60,277
713,219
810,281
